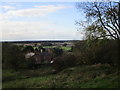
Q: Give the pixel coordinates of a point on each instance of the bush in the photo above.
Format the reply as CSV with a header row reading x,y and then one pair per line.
x,y
80,58
46,44
100,52
28,49
12,57
110,51
79,46
57,52
30,63
65,61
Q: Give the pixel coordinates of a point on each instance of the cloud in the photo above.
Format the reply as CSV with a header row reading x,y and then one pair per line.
x,y
37,10
4,17
12,3
23,27
1,16
54,7
24,30
13,30
7,7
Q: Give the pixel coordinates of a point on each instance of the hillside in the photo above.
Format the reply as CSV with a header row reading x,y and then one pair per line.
x,y
85,76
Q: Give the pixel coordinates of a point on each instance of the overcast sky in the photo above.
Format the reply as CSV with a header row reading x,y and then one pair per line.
x,y
39,21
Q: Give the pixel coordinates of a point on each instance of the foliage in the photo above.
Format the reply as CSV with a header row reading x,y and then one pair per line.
x,y
95,31
65,61
102,33
12,57
80,46
57,52
65,44
99,51
30,63
40,47
28,49
102,18
46,44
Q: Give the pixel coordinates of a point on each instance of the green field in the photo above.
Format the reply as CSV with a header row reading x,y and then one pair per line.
x,y
94,76
67,48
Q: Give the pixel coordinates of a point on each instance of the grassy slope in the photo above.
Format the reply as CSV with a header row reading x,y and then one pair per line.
x,y
95,76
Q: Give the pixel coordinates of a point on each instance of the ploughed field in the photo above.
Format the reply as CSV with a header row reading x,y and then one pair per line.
x,y
84,76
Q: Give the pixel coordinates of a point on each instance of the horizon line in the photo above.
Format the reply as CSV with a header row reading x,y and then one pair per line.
x,y
37,40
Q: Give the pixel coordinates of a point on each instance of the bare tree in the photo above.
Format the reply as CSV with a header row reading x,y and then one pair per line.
x,y
103,19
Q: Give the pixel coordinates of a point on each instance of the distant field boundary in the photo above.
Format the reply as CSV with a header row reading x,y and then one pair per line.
x,y
40,41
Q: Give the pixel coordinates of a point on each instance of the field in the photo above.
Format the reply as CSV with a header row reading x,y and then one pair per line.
x,y
62,47
85,76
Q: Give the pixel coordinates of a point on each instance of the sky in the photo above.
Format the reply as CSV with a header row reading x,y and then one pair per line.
x,y
40,21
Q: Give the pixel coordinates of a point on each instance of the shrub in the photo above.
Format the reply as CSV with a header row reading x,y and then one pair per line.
x,y
111,52
80,58
79,46
28,49
40,47
99,52
46,44
65,61
12,58
57,52
30,63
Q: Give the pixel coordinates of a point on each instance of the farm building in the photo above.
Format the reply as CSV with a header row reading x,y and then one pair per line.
x,y
40,56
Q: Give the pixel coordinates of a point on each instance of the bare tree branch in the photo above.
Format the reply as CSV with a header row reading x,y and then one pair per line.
x,y
105,15
99,15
